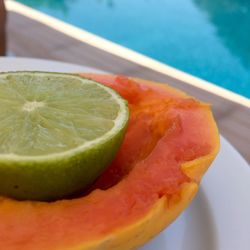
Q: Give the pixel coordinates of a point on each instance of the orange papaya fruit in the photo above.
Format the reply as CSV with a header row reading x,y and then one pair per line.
x,y
170,142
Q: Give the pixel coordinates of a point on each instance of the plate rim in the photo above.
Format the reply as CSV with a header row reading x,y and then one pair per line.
x,y
43,63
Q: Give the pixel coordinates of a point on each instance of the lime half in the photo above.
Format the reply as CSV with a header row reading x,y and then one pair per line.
x,y
57,133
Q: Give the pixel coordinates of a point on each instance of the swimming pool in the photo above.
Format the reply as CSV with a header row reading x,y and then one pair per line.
x,y
206,38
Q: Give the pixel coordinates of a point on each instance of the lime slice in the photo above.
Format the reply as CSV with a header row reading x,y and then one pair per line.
x,y
57,133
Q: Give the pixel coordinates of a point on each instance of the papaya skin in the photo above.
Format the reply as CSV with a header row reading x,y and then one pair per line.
x,y
156,218
162,214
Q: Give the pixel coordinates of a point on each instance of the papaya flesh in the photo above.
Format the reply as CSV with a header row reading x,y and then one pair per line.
x,y
170,142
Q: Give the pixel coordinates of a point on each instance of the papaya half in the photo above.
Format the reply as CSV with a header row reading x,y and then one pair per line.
x,y
170,142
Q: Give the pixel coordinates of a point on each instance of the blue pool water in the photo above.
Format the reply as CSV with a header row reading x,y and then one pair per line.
x,y
207,38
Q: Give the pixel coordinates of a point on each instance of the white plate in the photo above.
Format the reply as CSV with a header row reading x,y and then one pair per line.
x,y
218,218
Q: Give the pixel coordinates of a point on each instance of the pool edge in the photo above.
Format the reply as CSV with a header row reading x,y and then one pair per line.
x,y
122,52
